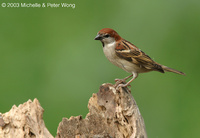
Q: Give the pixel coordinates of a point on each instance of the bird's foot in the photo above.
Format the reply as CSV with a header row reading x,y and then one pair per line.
x,y
121,83
123,86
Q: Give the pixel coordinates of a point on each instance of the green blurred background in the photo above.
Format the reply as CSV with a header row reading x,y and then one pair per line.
x,y
50,54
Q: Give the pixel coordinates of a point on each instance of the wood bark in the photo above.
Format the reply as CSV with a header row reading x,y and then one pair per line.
x,y
112,114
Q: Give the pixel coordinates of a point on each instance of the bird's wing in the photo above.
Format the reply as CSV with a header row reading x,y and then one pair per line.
x,y
130,52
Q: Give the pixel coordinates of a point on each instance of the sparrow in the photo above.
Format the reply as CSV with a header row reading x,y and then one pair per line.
x,y
127,56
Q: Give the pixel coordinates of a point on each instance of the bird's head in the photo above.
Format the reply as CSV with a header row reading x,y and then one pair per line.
x,y
107,36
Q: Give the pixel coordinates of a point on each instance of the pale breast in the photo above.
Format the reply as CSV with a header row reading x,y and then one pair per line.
x,y
109,51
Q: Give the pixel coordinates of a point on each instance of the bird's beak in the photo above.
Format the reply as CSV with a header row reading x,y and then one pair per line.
x,y
98,37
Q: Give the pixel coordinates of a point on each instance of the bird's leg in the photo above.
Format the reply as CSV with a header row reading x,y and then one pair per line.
x,y
128,83
123,80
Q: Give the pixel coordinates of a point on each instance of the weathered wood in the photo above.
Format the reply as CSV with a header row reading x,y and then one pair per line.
x,y
24,121
112,114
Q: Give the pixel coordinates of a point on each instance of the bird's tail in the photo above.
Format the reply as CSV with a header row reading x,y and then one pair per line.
x,y
165,68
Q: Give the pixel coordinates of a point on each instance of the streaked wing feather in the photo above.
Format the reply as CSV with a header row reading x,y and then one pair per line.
x,y
131,53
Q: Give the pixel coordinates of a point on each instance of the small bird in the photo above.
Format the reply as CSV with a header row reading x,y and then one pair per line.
x,y
127,56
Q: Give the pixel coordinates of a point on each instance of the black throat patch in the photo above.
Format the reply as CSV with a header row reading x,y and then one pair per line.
x,y
102,43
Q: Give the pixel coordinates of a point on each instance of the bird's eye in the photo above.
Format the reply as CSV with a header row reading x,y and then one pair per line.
x,y
107,35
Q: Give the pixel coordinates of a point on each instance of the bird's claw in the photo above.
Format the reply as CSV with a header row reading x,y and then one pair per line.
x,y
123,86
120,85
120,81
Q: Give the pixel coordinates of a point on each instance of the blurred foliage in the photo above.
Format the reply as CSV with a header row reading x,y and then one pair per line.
x,y
50,54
